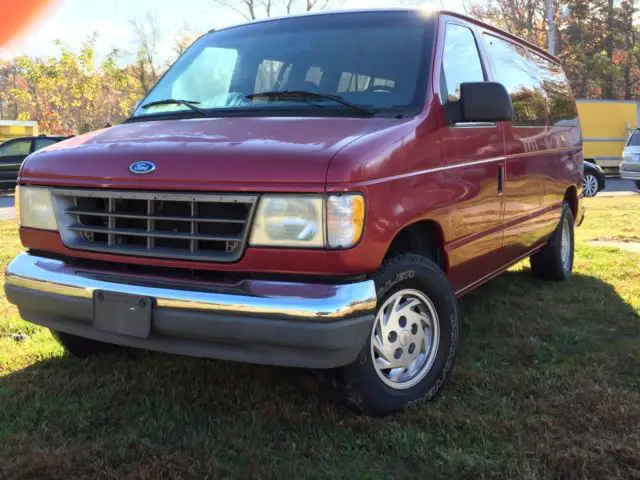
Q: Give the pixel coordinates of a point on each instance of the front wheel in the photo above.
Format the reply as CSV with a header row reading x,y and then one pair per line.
x,y
589,185
637,182
413,342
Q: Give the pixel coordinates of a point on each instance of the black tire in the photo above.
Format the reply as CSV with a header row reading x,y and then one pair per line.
x,y
548,263
637,182
83,347
363,388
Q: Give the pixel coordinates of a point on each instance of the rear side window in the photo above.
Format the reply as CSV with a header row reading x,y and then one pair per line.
x,y
562,107
460,61
634,140
17,148
518,73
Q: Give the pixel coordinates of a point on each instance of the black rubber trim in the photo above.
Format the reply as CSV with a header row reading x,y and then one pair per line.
x,y
308,344
187,273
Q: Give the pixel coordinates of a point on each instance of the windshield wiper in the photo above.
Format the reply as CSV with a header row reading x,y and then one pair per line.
x,y
174,101
305,95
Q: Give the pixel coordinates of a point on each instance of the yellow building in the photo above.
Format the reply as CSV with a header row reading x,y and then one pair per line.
x,y
606,126
15,128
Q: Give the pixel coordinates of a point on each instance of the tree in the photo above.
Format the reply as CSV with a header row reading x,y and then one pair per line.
x,y
145,66
596,40
255,9
71,93
525,18
631,53
183,38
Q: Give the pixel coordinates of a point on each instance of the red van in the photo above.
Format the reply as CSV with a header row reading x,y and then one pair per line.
x,y
312,191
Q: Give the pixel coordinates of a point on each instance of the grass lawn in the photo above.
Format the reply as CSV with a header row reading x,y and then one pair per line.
x,y
547,386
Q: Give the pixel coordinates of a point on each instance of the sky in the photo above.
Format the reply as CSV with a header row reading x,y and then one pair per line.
x,y
73,21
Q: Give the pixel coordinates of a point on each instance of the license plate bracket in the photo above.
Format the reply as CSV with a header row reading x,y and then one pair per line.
x,y
122,313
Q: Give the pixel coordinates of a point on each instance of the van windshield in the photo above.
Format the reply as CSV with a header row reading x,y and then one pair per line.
x,y
374,60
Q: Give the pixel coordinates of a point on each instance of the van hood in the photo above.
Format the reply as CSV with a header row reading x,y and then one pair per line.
x,y
197,154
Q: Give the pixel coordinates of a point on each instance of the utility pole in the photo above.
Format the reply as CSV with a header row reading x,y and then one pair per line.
x,y
551,28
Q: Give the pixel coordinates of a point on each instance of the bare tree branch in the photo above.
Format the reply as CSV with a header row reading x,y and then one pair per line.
x,y
254,9
239,7
145,65
288,6
184,38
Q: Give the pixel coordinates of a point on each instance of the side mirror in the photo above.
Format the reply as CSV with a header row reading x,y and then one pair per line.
x,y
480,102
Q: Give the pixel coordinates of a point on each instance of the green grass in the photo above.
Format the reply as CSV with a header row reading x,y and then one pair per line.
x,y
547,386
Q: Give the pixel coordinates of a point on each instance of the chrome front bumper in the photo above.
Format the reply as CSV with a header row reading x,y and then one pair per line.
x,y
258,321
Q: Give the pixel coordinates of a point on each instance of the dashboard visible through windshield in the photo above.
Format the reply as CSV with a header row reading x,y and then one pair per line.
x,y
373,60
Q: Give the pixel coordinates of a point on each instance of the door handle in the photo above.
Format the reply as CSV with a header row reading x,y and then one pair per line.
x,y
500,179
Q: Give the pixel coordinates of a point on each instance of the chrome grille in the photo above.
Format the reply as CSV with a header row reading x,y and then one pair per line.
x,y
210,227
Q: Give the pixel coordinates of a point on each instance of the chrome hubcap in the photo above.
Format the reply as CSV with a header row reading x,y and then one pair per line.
x,y
590,185
405,338
565,246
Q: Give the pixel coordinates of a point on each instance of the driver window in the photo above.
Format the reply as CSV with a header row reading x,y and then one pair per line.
x,y
460,61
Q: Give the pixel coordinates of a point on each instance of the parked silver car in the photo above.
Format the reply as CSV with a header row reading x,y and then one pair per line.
x,y
630,166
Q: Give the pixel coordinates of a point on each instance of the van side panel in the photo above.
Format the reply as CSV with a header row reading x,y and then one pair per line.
x,y
474,155
537,140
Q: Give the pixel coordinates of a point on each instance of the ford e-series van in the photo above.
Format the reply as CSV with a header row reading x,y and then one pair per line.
x,y
312,191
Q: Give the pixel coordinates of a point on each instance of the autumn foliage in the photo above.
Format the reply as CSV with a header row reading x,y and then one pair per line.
x,y
598,41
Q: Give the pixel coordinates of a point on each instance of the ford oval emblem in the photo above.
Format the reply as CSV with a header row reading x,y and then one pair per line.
x,y
142,167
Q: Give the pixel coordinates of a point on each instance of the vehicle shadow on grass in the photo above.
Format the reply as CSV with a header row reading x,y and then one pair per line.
x,y
139,413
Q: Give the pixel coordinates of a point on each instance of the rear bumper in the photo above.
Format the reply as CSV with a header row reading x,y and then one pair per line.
x,y
268,322
630,171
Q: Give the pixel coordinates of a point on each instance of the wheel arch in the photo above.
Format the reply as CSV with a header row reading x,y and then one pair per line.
x,y
571,197
422,237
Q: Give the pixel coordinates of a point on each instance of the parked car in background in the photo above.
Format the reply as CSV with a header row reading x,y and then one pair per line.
x,y
311,191
593,180
630,166
14,151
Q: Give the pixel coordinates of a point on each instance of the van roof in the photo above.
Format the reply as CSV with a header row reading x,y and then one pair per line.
x,y
420,10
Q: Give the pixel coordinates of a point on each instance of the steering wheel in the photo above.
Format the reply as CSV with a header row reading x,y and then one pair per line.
x,y
383,88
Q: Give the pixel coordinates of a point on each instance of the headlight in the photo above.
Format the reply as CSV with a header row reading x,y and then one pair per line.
x,y
307,221
345,220
35,208
289,221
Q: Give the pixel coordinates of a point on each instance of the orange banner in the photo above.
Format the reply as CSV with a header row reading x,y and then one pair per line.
x,y
17,15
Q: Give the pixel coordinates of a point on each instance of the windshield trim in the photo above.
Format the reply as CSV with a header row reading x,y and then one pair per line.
x,y
417,105
284,111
